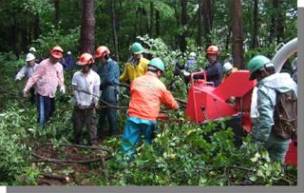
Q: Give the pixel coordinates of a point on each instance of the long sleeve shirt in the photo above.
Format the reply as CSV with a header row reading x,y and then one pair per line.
x,y
214,73
47,77
147,94
26,71
266,101
88,83
132,71
109,73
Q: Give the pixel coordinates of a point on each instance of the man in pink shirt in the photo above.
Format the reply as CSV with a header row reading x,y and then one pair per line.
x,y
46,78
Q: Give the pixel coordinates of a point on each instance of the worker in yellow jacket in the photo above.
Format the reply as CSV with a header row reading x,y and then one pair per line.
x,y
136,66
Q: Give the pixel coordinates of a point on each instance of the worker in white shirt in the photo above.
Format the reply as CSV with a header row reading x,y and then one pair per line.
x,y
86,83
27,71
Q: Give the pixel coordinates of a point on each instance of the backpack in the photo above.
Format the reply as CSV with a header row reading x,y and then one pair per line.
x,y
285,115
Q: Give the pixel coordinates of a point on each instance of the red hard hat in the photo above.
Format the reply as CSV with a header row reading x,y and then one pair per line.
x,y
85,59
102,51
213,50
57,52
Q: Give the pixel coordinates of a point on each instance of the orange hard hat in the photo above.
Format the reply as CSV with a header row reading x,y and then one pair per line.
x,y
102,51
213,50
85,59
57,52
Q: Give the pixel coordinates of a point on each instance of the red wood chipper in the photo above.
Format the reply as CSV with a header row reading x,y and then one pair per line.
x,y
231,99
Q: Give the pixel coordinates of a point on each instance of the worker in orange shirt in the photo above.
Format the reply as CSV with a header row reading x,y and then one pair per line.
x,y
147,94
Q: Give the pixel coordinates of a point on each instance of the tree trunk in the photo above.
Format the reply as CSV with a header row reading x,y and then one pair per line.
x,y
183,43
157,23
151,18
115,38
237,34
255,18
200,34
277,22
36,26
207,19
57,12
87,36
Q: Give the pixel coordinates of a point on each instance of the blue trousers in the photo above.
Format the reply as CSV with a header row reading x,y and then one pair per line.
x,y
109,94
134,129
45,108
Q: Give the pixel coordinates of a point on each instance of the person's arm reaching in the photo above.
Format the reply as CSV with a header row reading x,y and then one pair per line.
x,y
168,99
21,73
262,128
96,91
124,75
61,80
34,78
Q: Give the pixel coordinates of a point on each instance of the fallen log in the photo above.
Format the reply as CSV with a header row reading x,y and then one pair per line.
x,y
52,160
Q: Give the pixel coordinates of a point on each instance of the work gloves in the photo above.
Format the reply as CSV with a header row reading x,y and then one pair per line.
x,y
62,89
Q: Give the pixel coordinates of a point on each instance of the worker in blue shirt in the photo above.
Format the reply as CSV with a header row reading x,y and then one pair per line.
x,y
109,73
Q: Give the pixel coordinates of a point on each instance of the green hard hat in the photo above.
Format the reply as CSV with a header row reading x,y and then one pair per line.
x,y
256,63
137,48
157,63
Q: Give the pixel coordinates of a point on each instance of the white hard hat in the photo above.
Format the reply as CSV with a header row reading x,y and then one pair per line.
x,y
192,54
227,67
30,57
69,52
32,49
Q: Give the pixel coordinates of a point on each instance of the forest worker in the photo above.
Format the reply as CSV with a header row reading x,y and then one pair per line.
x,y
137,64
228,68
147,94
86,83
27,71
47,77
214,69
191,64
108,71
270,85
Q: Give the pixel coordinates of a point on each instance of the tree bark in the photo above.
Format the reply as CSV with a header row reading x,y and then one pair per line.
x,y
57,12
207,19
277,22
255,18
87,36
151,18
200,34
184,20
157,23
36,26
237,34
114,28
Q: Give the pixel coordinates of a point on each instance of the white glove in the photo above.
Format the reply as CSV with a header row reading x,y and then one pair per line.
x,y
25,93
62,89
185,73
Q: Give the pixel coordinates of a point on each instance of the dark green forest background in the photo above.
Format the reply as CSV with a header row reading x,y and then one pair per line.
x,y
240,28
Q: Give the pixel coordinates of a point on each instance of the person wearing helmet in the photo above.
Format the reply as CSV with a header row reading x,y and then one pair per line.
x,y
108,71
269,85
137,64
228,69
46,78
147,94
191,64
214,69
27,71
68,61
85,84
